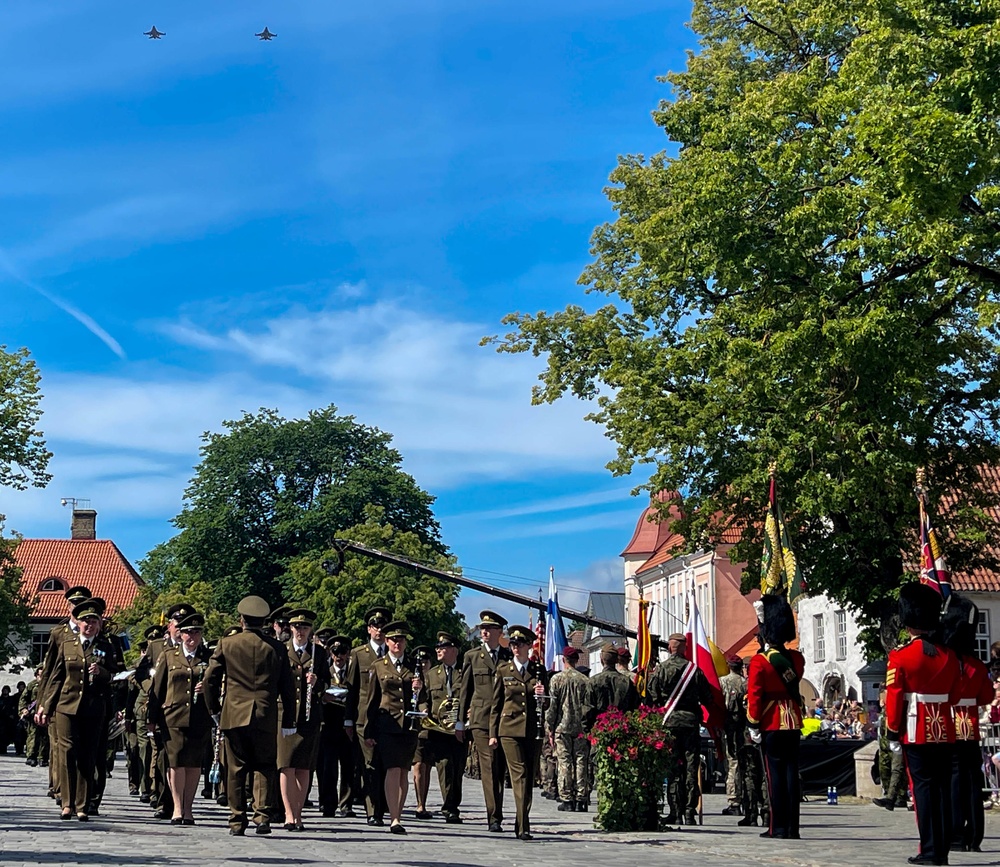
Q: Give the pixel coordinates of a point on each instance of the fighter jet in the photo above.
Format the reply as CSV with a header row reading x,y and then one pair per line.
x,y
153,33
265,35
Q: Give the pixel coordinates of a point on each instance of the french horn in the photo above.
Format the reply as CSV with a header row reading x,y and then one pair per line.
x,y
447,717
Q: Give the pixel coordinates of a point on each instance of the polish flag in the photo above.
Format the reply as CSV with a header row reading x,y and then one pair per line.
x,y
699,651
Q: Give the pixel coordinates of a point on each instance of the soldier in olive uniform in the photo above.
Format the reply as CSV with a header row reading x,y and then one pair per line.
x,y
336,749
394,690
447,750
298,754
256,671
514,722
36,747
475,701
734,694
613,688
372,774
684,724
423,760
570,713
76,702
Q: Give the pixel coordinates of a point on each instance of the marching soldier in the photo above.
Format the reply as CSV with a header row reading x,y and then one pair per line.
x,y
256,671
36,747
76,703
393,690
369,763
475,701
734,694
571,707
446,746
922,683
298,754
423,760
336,751
514,722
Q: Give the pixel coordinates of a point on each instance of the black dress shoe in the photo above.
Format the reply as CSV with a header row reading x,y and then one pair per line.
x,y
329,814
375,821
177,821
144,798
691,819
397,828
495,828
926,859
32,763
567,807
187,822
732,810
348,814
222,800
746,821
779,835
82,817
453,819
159,814
423,814
263,828
237,832
289,826
884,803
524,835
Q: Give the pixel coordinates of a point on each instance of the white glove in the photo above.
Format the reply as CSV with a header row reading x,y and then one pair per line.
x,y
755,736
895,747
287,733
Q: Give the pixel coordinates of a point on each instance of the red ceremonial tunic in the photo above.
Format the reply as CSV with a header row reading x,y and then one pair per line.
x,y
921,686
769,703
975,689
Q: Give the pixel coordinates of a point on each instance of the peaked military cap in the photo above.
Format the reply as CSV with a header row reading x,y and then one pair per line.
x,y
95,606
446,639
378,613
280,614
153,632
396,629
301,616
520,635
324,634
422,652
77,594
193,621
491,618
253,607
339,644
179,611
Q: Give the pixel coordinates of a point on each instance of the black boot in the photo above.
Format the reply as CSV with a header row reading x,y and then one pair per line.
x,y
567,807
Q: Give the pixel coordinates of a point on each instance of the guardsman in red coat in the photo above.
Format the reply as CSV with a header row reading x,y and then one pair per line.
x,y
921,685
774,714
975,689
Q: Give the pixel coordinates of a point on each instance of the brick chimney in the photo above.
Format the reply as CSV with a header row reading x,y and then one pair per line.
x,y
84,524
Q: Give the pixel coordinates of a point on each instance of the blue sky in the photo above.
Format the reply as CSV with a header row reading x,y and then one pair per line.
x,y
206,224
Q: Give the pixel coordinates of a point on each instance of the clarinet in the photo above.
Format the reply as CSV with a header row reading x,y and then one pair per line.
x,y
309,686
414,715
215,774
539,704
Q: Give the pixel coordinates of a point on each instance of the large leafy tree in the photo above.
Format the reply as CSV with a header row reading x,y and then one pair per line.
x,y
269,490
24,461
341,600
809,276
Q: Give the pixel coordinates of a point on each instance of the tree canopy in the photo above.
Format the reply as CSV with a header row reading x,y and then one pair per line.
x,y
808,276
269,490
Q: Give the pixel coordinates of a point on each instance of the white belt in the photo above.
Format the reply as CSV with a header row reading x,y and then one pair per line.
x,y
966,702
913,700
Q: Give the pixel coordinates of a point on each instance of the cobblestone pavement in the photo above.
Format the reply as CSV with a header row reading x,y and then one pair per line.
x,y
31,833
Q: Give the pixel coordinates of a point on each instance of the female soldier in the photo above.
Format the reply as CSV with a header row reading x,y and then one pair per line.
x,y
76,702
391,692
514,721
176,706
297,754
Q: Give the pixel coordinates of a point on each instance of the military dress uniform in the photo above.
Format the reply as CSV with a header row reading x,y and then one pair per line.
x,y
256,672
967,781
513,720
301,750
447,752
136,707
390,698
335,773
179,713
479,675
76,703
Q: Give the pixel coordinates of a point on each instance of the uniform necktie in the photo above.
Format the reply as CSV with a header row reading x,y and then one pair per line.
x,y
447,678
493,653
86,645
381,651
399,665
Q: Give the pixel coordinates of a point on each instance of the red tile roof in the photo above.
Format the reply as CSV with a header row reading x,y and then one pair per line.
x,y
95,563
978,579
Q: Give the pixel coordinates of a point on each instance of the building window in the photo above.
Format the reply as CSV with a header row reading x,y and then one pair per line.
x,y
841,620
52,584
819,639
983,636
39,643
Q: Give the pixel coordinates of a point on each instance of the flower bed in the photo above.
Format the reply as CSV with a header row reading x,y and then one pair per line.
x,y
633,760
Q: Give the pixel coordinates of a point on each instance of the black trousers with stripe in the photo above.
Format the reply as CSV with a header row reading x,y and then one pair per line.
x,y
929,767
780,751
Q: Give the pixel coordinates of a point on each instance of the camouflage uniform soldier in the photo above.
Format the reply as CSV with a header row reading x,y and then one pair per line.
x,y
734,694
570,714
892,768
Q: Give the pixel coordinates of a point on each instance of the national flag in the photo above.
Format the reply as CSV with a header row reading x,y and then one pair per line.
x,y
538,646
555,635
643,648
779,568
933,568
699,651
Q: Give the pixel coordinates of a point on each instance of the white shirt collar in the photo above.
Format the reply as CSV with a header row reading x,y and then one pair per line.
x,y
375,647
395,660
297,648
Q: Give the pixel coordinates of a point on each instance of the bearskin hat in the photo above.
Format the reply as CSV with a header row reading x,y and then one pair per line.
x,y
777,625
919,606
958,624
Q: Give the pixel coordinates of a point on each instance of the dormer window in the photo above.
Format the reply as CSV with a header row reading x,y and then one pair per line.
x,y
53,584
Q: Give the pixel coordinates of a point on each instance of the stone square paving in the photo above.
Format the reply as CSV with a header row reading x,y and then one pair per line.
x,y
31,833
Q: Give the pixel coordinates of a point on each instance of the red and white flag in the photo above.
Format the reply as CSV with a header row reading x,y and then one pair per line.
x,y
699,651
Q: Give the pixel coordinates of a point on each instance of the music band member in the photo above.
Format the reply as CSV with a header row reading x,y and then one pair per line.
x,y
476,699
335,774
514,722
445,745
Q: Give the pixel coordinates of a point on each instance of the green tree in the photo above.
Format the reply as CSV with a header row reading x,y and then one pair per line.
x,y
808,277
269,490
24,461
426,603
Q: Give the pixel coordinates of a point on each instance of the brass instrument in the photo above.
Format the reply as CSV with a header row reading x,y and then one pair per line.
x,y
447,713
